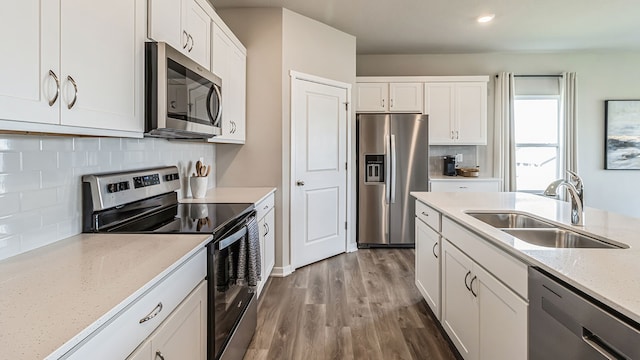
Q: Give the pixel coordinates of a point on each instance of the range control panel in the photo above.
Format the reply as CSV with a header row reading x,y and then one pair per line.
x,y
146,180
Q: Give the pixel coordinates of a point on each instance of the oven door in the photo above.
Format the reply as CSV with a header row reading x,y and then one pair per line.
x,y
228,298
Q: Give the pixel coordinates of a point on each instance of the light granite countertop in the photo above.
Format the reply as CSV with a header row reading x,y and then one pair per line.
x,y
461,178
53,297
233,195
609,275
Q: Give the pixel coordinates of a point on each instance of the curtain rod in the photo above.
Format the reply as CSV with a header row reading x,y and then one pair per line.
x,y
535,76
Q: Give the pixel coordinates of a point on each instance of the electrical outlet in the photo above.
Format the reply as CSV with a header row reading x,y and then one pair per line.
x,y
458,158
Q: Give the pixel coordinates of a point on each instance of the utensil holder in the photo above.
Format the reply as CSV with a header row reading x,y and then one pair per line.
x,y
198,186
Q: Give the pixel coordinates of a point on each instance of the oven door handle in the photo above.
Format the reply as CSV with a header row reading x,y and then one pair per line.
x,y
227,241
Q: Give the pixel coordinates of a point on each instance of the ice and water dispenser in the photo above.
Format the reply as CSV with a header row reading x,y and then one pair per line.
x,y
374,168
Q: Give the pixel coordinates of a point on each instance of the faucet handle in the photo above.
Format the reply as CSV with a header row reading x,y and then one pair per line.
x,y
576,180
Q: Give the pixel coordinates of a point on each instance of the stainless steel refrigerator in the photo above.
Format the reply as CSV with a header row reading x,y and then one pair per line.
x,y
393,159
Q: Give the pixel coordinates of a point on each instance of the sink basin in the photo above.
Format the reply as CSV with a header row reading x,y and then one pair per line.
x,y
558,238
508,220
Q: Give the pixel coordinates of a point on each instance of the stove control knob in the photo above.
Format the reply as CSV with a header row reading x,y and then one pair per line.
x,y
112,188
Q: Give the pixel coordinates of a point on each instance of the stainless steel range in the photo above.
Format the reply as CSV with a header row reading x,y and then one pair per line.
x,y
145,201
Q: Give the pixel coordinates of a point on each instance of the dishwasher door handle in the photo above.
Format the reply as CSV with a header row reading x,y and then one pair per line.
x,y
600,345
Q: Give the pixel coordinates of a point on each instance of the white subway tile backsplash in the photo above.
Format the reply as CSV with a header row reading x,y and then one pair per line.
x,y
39,160
37,199
40,180
9,162
9,204
19,181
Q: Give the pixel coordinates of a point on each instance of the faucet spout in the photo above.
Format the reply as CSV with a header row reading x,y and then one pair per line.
x,y
576,192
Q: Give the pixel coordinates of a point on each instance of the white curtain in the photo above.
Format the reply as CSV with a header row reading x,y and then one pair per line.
x,y
504,158
569,110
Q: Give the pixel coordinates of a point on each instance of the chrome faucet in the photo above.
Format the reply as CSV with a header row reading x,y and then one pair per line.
x,y
575,187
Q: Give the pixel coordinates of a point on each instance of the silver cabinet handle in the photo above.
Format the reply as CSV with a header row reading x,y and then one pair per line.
x,y
452,133
383,103
153,313
300,183
191,37
75,92
465,280
391,103
159,355
266,229
457,134
433,250
463,187
266,207
471,286
55,77
425,214
186,41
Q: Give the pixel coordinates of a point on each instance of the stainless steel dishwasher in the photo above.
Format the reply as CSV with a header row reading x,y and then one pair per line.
x,y
564,324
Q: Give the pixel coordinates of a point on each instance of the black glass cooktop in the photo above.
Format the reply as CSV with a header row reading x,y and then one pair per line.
x,y
187,219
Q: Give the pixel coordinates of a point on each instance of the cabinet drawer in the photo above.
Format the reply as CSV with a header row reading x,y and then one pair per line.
x,y
263,207
505,267
124,332
430,216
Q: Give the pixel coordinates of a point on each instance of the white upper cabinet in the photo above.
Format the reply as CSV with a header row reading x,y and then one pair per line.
x,y
389,97
457,112
183,24
229,62
65,68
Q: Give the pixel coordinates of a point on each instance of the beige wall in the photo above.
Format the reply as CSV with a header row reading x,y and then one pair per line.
x,y
277,41
601,76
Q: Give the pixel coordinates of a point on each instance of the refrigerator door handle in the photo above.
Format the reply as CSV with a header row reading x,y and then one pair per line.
x,y
387,170
393,169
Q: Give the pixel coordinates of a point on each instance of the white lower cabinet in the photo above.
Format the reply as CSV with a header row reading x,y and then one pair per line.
x,y
266,215
428,265
483,318
183,335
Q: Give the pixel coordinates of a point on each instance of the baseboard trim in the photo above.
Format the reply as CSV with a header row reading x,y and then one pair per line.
x,y
282,271
351,247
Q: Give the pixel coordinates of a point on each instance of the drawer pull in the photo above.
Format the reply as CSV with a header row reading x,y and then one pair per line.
x,y
159,355
433,250
266,207
153,313
425,214
463,187
471,286
465,280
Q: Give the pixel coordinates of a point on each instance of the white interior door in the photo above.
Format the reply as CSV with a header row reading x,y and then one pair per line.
x,y
318,189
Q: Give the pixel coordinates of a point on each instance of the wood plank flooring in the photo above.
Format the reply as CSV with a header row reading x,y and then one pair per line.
x,y
361,305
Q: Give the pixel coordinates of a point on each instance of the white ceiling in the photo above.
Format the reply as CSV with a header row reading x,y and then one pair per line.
x,y
449,26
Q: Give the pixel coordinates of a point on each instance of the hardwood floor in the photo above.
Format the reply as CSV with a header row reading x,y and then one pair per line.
x,y
361,305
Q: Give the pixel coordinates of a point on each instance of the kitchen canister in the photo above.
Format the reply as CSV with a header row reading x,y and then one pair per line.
x,y
198,186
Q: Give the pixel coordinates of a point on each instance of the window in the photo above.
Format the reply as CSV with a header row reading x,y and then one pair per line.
x,y
537,134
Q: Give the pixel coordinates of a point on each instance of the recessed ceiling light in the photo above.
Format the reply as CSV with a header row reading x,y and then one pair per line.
x,y
486,18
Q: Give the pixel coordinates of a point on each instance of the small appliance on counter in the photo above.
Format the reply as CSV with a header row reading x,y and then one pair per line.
x,y
449,165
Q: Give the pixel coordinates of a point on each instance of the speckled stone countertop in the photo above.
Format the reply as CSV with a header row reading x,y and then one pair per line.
x,y
611,276
233,195
53,297
461,178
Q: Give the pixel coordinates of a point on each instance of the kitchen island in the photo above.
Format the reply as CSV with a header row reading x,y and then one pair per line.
x,y
608,275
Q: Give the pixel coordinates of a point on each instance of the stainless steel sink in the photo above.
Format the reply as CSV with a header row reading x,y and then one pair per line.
x,y
508,220
558,238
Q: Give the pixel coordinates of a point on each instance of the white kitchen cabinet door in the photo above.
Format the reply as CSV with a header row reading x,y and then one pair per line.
x,y
459,305
266,227
502,319
471,113
184,334
457,112
230,64
101,60
406,97
438,104
372,97
470,185
184,25
428,265
198,27
30,37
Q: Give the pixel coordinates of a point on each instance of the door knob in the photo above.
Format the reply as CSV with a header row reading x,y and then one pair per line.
x,y
300,183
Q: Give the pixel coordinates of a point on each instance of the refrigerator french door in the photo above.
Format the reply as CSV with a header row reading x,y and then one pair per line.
x,y
393,160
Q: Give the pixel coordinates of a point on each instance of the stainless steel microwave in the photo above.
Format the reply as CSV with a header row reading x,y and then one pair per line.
x,y
183,100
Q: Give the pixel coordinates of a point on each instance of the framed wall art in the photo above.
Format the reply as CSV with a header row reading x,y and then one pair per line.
x,y
622,134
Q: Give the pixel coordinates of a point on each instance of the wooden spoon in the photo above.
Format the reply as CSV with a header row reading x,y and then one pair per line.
x,y
208,170
198,167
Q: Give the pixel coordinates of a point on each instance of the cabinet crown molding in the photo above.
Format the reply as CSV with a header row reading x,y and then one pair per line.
x,y
396,79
